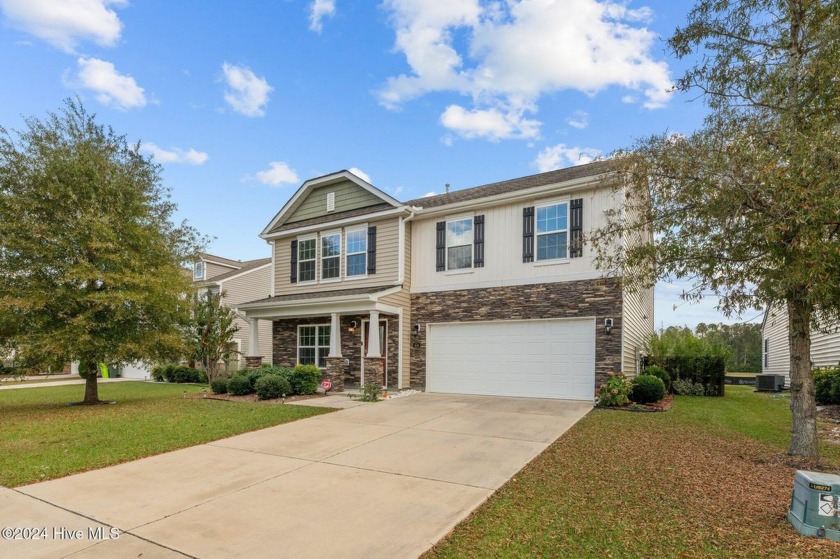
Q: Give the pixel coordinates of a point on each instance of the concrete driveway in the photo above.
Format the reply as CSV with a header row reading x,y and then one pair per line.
x,y
372,480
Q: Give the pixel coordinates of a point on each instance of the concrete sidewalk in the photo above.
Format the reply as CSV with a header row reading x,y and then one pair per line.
x,y
372,480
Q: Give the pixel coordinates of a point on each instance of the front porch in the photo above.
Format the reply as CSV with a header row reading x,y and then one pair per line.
x,y
303,332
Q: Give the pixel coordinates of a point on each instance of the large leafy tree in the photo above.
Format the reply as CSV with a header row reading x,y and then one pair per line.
x,y
90,261
748,206
211,331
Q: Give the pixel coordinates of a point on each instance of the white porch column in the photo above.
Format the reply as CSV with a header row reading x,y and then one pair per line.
x,y
335,336
373,336
254,338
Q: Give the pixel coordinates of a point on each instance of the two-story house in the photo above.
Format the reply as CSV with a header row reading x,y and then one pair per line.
x,y
485,290
775,348
239,282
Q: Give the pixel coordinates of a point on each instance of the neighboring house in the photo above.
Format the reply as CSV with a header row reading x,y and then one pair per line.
x,y
775,351
239,282
486,290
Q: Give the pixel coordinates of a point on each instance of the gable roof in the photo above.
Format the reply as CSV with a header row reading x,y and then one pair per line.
x,y
247,266
333,178
513,185
207,257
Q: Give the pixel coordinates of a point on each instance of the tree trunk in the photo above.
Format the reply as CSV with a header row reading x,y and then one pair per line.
x,y
803,406
91,386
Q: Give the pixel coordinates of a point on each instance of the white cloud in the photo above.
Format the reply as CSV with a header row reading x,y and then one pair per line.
x,y
247,93
175,155
492,124
278,173
516,51
111,88
63,23
580,119
398,190
318,10
447,140
559,156
361,174
430,194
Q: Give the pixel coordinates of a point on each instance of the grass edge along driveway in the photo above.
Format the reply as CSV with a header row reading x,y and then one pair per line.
x,y
709,478
42,438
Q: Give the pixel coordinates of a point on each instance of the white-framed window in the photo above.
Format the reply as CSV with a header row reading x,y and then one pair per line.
x,y
766,353
313,345
198,270
306,260
356,252
552,231
459,243
331,256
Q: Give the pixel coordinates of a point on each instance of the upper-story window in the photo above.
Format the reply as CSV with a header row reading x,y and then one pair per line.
x,y
552,231
306,260
330,256
198,270
459,244
356,251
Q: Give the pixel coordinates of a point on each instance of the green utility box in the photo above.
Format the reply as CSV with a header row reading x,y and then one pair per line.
x,y
815,505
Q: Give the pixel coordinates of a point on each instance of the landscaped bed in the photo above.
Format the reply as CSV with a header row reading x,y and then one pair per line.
x,y
709,478
43,438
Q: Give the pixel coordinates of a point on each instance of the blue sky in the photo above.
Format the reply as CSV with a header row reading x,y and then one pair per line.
x,y
242,101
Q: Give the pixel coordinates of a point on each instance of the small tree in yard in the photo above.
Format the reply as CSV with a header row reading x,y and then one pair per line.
x,y
90,262
748,207
211,331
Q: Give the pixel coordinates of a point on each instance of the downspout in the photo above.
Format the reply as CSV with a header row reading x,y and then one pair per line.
x,y
411,214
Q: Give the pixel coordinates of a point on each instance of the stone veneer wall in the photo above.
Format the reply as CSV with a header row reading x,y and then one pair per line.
x,y
600,298
284,340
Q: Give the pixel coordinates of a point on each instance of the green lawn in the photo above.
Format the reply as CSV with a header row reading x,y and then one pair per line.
x,y
43,438
707,479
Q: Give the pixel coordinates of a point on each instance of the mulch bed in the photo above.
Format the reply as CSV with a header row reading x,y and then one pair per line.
x,y
829,424
662,405
252,398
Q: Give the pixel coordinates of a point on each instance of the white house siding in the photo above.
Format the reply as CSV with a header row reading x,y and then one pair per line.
x,y
825,347
250,286
387,262
637,325
402,299
503,248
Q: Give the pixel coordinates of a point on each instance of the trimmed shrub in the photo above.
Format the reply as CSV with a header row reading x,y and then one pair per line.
x,y
305,379
646,389
272,386
827,384
614,392
256,374
239,385
219,386
285,372
178,373
157,374
659,373
707,370
687,387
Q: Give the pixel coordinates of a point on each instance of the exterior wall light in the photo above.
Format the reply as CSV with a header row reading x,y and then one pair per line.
x,y
353,326
608,325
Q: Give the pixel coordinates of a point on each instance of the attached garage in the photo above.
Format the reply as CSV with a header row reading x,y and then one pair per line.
x,y
528,358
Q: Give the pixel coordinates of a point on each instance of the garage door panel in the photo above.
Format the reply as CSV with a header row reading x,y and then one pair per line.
x,y
541,359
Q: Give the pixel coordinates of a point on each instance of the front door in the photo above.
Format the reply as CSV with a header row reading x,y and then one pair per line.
x,y
383,348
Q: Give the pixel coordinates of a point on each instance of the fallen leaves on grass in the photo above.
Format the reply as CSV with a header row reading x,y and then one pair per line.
x,y
641,485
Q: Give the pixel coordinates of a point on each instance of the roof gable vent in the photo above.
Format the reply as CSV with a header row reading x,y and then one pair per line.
x,y
330,201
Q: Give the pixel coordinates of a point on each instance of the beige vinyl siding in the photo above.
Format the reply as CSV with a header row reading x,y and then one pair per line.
x,y
211,270
825,347
250,286
503,248
387,262
402,299
637,325
348,196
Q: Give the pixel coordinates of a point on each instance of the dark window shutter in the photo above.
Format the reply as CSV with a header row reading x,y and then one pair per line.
x,y
478,241
371,253
293,278
441,246
576,228
528,234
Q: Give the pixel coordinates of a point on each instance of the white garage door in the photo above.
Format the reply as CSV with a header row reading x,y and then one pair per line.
x,y
529,358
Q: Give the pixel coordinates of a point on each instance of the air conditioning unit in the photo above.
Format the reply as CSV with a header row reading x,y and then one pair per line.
x,y
769,383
